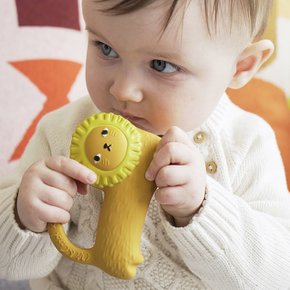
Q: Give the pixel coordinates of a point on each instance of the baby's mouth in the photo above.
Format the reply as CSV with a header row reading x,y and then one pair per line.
x,y
137,121
130,118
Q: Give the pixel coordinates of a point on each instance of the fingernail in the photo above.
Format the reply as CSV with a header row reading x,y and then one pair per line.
x,y
92,177
148,176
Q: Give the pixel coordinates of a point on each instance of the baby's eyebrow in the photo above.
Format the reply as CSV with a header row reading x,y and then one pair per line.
x,y
166,51
99,35
171,56
87,28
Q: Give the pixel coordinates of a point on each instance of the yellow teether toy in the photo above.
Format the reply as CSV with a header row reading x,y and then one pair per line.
x,y
119,153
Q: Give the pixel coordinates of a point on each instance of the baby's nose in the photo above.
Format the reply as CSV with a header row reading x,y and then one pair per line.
x,y
126,89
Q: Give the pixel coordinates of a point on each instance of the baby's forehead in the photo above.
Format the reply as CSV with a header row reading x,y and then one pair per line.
x,y
219,16
219,24
174,16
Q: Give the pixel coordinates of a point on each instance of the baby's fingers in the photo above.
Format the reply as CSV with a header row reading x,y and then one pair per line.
x,y
71,168
52,214
44,213
56,197
172,153
171,196
173,175
174,134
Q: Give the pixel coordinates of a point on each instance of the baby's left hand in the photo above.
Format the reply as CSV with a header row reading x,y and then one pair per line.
x,y
179,172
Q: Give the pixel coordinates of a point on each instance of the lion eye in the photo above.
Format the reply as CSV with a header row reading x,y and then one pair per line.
x,y
97,158
105,132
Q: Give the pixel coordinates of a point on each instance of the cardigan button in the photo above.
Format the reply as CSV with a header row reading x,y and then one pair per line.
x,y
199,137
211,167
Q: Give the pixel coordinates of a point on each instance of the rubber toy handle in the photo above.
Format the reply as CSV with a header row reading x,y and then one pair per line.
x,y
118,236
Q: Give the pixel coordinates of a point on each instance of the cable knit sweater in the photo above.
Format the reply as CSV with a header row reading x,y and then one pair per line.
x,y
240,239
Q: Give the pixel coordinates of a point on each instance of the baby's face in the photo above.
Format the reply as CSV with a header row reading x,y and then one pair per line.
x,y
156,80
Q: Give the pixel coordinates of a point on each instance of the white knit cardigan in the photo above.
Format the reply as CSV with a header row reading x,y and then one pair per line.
x,y
240,239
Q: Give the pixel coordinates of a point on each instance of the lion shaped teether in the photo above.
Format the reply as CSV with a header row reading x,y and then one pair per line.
x,y
119,154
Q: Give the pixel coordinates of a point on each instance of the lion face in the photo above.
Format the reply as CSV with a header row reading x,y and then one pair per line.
x,y
106,147
109,145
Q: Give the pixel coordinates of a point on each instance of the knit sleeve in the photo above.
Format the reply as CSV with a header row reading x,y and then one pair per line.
x,y
24,254
241,237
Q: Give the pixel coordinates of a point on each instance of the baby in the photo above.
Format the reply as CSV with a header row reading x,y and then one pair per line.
x,y
220,217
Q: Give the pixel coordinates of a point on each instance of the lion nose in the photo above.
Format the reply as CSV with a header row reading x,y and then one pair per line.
x,y
108,147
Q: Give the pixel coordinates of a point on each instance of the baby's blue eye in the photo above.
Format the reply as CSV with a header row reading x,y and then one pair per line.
x,y
163,66
106,50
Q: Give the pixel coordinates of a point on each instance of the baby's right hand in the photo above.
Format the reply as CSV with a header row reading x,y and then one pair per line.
x,y
47,190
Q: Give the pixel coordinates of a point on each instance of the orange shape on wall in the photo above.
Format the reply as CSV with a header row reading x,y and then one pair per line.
x,y
54,78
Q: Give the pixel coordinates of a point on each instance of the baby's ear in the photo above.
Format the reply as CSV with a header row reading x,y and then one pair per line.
x,y
249,62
